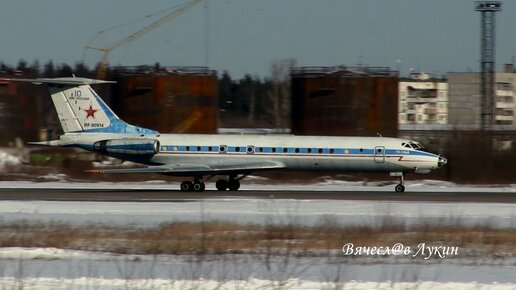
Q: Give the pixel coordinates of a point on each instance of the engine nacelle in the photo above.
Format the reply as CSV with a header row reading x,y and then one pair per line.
x,y
128,146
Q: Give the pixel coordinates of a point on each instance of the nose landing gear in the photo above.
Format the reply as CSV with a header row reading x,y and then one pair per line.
x,y
400,187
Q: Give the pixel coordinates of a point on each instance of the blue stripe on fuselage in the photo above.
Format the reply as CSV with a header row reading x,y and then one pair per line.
x,y
279,150
338,152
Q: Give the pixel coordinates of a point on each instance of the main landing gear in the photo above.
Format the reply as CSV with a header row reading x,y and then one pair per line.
x,y
400,187
197,185
233,184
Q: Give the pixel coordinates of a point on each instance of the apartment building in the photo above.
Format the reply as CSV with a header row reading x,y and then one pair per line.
x,y
423,100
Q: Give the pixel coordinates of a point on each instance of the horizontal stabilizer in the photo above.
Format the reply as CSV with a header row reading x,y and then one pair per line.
x,y
71,81
47,143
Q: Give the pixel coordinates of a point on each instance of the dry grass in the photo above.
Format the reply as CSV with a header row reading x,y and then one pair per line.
x,y
223,237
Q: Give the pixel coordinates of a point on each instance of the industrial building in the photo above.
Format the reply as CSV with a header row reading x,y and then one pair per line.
x,y
344,101
168,99
23,107
423,100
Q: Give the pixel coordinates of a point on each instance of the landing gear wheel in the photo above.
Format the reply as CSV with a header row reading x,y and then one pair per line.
x,y
221,185
233,185
198,186
401,186
186,186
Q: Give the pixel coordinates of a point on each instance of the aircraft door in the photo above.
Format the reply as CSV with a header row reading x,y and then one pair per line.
x,y
379,154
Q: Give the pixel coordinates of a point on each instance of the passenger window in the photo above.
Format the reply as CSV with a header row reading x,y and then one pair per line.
x,y
309,150
285,150
297,150
332,150
187,148
320,150
273,149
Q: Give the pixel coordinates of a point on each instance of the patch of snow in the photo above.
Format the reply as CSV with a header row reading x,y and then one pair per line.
x,y
20,253
65,269
8,160
157,181
100,283
52,177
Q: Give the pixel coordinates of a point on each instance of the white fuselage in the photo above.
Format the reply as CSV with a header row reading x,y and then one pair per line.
x,y
314,153
90,124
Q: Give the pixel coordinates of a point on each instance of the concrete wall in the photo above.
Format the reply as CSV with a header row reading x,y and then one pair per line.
x,y
464,103
465,100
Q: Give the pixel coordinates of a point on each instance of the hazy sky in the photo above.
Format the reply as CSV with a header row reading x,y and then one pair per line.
x,y
245,36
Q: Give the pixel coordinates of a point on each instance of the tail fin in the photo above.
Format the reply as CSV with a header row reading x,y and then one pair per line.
x,y
80,109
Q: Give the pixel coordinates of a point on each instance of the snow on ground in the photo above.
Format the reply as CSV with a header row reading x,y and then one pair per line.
x,y
66,269
7,159
42,268
99,283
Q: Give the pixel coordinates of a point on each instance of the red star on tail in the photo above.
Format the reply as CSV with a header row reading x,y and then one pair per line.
x,y
90,112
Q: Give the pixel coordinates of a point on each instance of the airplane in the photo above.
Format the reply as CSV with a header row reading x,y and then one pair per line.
x,y
89,123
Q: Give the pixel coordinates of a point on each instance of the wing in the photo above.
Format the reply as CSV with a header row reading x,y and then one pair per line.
x,y
187,169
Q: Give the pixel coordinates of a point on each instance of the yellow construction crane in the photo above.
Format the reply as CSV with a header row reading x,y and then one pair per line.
x,y
102,70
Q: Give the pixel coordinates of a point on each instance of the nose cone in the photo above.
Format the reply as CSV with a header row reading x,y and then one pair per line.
x,y
442,161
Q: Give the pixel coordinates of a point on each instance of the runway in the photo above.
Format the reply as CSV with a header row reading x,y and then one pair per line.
x,y
346,203
163,195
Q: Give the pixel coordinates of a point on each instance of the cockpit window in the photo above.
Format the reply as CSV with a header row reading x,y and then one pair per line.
x,y
412,145
416,146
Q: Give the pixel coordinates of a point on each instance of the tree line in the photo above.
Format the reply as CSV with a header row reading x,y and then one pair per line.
x,y
48,70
